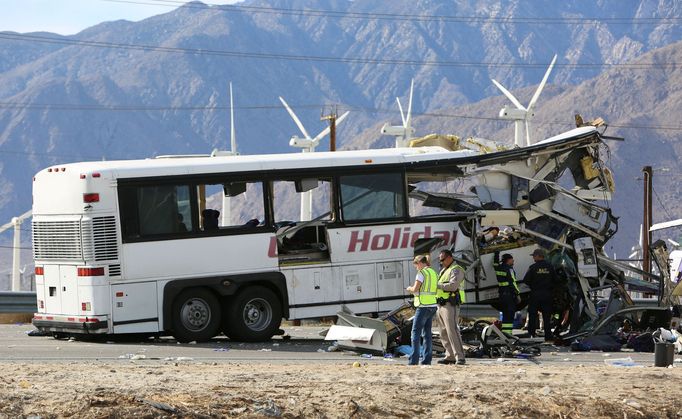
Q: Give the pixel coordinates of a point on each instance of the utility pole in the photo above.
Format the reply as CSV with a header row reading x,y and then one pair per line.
x,y
332,128
647,219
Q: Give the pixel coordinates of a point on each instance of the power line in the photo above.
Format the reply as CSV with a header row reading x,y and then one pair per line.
x,y
143,108
12,247
319,58
405,17
670,217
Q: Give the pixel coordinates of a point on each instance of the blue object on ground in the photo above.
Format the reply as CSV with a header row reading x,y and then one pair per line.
x,y
404,350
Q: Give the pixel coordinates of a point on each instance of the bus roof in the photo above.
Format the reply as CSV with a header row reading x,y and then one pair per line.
x,y
424,157
169,166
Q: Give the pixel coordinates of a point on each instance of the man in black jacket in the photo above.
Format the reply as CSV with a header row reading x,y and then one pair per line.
x,y
540,278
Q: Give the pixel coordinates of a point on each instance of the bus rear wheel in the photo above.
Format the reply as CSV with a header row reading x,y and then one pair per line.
x,y
196,315
254,315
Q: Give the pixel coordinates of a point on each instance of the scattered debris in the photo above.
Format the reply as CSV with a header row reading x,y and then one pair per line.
x,y
620,362
36,332
161,406
268,408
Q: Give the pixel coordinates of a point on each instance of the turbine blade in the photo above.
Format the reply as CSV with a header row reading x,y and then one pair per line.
x,y
295,118
26,215
342,117
406,123
542,84
402,115
507,93
318,137
5,227
325,131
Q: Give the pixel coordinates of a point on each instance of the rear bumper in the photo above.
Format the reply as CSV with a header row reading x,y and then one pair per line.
x,y
69,324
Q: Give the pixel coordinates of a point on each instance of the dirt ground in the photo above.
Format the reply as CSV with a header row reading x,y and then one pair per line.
x,y
341,390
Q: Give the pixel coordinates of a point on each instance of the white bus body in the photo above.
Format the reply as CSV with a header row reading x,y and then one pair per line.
x,y
128,246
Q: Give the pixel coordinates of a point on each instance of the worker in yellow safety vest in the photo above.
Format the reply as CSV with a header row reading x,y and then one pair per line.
x,y
508,288
450,296
424,290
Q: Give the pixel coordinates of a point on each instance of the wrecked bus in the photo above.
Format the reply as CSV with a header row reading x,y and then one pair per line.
x,y
139,247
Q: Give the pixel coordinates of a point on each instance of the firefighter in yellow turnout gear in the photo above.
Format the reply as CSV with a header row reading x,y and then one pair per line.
x,y
450,296
509,290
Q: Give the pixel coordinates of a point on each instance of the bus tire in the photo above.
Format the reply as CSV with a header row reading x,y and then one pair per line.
x,y
254,315
196,315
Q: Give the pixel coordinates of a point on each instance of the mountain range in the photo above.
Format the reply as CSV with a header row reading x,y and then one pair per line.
x,y
126,89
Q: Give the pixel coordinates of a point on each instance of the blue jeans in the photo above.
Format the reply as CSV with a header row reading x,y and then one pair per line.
x,y
421,326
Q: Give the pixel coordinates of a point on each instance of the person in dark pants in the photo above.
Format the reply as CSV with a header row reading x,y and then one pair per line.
x,y
509,290
540,278
424,290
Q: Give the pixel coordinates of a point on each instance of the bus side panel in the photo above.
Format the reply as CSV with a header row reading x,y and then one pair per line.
x,y
134,308
94,295
206,256
311,285
390,284
359,284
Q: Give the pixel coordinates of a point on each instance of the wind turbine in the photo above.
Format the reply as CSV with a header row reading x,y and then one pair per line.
x,y
403,134
522,115
16,253
308,145
225,220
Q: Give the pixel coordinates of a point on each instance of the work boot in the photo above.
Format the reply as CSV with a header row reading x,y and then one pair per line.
x,y
446,361
461,362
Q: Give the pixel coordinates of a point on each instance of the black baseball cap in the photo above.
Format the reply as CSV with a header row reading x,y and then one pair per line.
x,y
538,252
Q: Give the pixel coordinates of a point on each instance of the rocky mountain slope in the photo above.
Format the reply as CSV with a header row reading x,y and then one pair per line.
x,y
159,86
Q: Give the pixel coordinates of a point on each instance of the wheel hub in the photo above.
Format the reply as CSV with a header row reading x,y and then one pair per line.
x,y
257,314
196,314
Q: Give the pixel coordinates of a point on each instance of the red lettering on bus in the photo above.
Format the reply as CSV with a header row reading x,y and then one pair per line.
x,y
401,238
354,240
381,242
272,249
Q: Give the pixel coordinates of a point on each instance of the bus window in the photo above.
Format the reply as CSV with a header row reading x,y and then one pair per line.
x,y
235,204
287,199
155,210
372,196
429,198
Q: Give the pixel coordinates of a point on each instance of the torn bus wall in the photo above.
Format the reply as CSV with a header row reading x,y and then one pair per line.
x,y
552,195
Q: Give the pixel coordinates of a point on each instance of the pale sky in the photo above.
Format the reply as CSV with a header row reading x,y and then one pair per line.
x,y
68,17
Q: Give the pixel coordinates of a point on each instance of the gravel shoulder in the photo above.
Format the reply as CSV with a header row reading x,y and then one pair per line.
x,y
337,390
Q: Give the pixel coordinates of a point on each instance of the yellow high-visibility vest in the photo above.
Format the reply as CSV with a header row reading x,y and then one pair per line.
x,y
427,292
445,277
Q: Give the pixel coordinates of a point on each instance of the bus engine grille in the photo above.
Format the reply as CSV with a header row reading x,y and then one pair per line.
x,y
87,240
100,244
57,240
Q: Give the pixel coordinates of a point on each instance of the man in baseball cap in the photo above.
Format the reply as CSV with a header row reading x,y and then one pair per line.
x,y
540,278
539,253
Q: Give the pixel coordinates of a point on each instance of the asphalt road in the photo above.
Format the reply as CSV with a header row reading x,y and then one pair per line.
x,y
303,345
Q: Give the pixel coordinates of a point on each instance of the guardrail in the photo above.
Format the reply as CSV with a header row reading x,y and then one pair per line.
x,y
18,302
